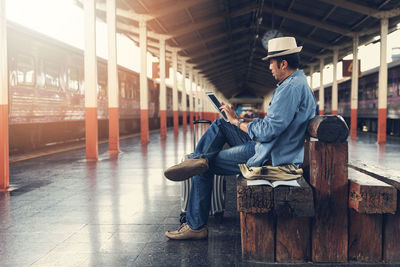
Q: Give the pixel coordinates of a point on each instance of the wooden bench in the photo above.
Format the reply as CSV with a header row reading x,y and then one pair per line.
x,y
356,215
276,222
259,206
380,219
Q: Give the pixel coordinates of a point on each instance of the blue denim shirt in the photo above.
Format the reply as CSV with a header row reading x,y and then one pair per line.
x,y
280,135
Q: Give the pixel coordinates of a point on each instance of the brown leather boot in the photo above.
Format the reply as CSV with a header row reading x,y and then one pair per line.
x,y
186,169
185,232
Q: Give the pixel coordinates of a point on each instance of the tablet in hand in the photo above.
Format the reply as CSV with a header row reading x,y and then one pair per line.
x,y
214,100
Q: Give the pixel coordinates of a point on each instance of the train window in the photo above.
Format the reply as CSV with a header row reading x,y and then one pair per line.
x,y
102,88
398,88
129,89
25,74
122,88
102,85
390,89
360,94
51,75
346,95
73,79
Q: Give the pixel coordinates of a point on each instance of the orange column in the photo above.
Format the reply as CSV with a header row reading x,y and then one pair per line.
x,y
184,107
382,117
334,109
175,91
353,123
4,145
91,134
113,96
144,113
191,97
354,89
382,92
90,62
196,98
4,149
163,92
321,99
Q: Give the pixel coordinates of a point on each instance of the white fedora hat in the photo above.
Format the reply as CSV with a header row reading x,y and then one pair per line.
x,y
282,46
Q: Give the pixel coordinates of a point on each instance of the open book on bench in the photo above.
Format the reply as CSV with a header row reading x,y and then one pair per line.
x,y
273,183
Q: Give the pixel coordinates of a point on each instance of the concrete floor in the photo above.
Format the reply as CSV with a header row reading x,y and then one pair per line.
x,y
114,212
69,212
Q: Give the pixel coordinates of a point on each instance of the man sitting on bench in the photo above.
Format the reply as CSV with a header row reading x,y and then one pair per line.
x,y
276,140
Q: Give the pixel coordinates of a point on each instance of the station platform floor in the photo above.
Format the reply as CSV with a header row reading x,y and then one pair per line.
x,y
114,212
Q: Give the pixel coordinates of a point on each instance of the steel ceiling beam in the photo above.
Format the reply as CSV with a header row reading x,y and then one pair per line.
x,y
216,48
195,43
308,20
208,22
372,12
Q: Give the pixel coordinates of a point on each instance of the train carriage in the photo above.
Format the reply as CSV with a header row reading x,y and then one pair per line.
x,y
367,113
47,93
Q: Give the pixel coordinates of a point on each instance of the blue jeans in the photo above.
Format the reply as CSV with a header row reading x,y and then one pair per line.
x,y
220,162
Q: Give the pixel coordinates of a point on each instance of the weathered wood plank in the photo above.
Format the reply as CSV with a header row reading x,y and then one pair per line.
x,y
365,237
254,199
294,201
381,174
328,176
391,233
369,195
257,233
328,128
306,163
293,239
391,223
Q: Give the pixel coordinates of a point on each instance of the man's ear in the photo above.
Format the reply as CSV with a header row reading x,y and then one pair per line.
x,y
284,64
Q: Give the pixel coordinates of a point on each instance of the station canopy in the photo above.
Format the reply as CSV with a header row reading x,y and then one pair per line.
x,y
223,38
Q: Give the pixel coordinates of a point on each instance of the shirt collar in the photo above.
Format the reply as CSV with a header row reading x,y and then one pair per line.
x,y
293,74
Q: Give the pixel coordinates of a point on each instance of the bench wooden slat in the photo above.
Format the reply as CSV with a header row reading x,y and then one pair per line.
x,y
378,173
391,223
257,236
365,237
369,195
259,204
328,177
292,201
293,243
254,199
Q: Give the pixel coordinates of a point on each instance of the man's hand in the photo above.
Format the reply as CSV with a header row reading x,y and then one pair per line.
x,y
230,113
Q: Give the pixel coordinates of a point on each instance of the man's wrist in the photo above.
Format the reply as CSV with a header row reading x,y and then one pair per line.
x,y
234,121
239,121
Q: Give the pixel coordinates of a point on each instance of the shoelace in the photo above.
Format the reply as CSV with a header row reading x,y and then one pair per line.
x,y
183,225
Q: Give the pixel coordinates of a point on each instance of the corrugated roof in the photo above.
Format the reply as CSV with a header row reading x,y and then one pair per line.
x,y
221,38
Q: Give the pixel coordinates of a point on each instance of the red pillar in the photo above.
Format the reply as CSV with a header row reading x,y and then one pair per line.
x,y
4,148
163,124
113,131
334,112
321,112
176,121
184,120
91,133
382,114
191,119
144,126
4,145
353,123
